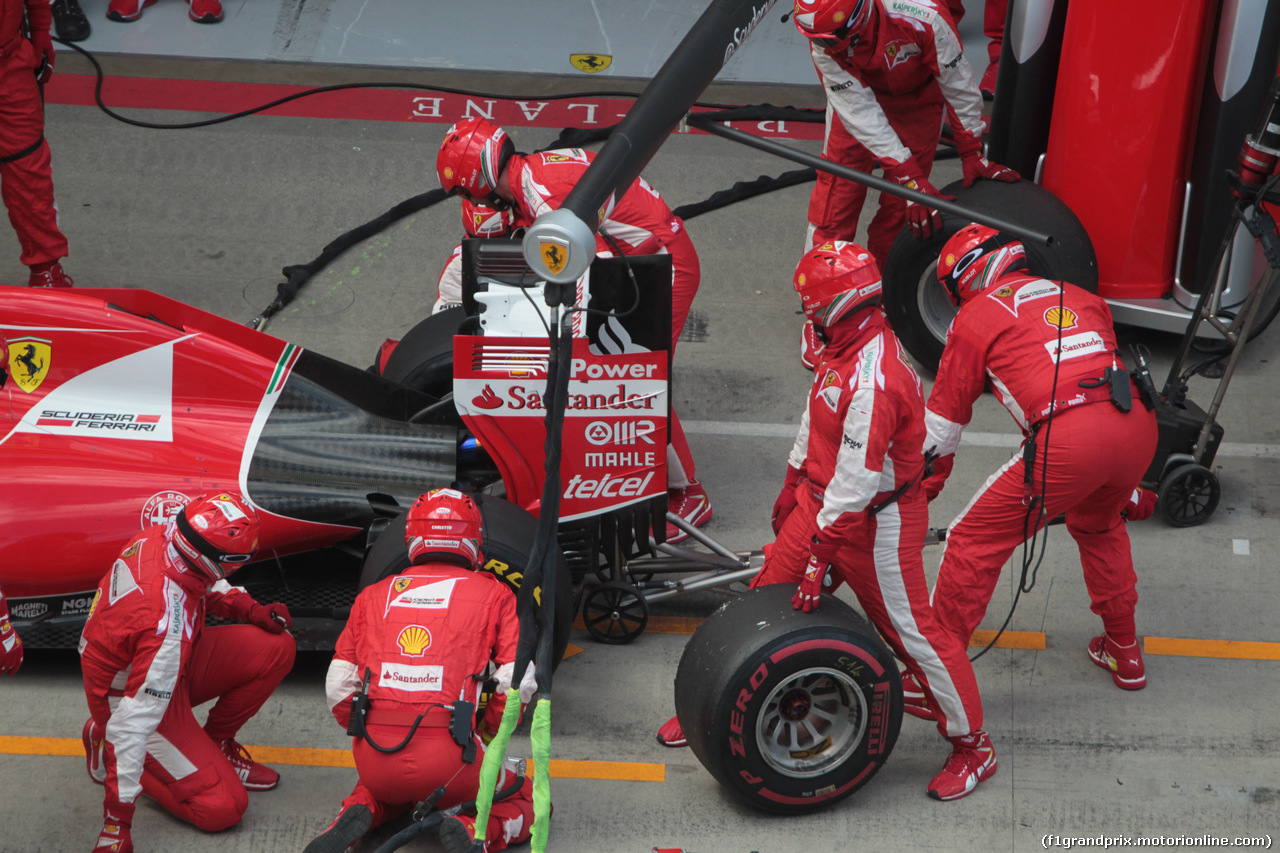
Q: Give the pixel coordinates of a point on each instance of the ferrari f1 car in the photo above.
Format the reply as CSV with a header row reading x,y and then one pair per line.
x,y
121,405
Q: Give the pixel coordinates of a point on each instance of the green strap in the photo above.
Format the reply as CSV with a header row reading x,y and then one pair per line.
x,y
541,736
494,756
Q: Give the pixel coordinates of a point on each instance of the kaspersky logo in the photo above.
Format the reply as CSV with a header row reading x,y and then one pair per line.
x,y
29,360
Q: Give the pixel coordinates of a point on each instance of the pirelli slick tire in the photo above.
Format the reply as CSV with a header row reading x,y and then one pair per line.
x,y
509,533
790,711
423,360
918,308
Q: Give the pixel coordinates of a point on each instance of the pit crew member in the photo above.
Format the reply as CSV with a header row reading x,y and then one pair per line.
x,y
415,651
478,160
10,642
477,221
148,659
891,71
26,172
1048,351
852,506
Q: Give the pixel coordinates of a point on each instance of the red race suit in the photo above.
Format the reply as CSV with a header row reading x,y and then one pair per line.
x,y
427,637
10,642
859,442
147,660
26,174
639,223
885,99
1010,336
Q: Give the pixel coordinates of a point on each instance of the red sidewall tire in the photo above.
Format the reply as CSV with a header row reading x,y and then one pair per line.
x,y
757,672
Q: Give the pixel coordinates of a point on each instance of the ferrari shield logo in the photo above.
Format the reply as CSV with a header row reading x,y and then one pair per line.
x,y
554,255
590,62
29,362
401,584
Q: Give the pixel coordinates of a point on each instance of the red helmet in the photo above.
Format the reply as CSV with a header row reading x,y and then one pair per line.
x,y
974,257
216,533
479,220
832,23
835,281
445,523
472,156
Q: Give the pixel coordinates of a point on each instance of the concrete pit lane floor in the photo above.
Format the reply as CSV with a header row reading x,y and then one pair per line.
x,y
211,215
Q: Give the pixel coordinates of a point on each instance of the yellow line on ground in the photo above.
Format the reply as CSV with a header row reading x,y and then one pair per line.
x,y
663,624
1238,649
41,746
1009,639
689,624
616,771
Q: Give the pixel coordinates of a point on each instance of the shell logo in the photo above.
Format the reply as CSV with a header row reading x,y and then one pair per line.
x,y
1061,318
414,640
448,172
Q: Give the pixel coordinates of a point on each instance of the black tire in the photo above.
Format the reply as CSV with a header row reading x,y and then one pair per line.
x,y
755,669
1188,495
919,309
423,360
509,533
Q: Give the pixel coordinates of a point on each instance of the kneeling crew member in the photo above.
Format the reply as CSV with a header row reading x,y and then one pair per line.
x,y
148,659
415,653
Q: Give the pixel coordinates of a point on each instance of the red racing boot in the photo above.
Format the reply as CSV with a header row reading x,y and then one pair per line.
x,y
671,734
49,275
458,833
914,702
255,776
347,828
1125,662
690,503
127,10
973,760
205,11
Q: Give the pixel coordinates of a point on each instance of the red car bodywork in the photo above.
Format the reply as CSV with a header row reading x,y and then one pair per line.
x,y
113,418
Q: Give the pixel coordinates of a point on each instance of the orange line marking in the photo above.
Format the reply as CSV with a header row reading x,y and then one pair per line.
x,y
1009,639
1237,649
616,771
662,624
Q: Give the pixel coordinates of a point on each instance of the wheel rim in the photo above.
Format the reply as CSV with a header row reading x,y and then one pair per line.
x,y
1190,496
614,614
936,308
811,722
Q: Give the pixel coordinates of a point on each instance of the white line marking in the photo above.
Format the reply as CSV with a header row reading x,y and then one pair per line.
x,y
1240,547
975,439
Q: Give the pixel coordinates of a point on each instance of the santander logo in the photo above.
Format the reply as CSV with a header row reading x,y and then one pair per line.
x,y
487,399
